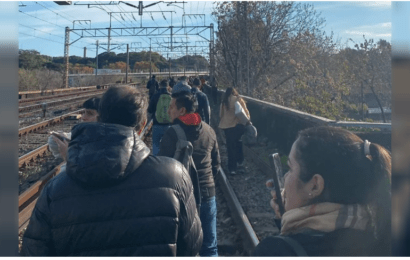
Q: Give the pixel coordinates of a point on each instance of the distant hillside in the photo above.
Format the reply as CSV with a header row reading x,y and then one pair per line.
x,y
32,59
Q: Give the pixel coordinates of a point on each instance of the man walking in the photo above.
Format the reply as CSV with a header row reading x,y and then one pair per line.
x,y
205,156
158,108
204,110
153,86
114,198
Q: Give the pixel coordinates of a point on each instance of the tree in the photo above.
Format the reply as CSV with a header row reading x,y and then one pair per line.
x,y
253,39
144,66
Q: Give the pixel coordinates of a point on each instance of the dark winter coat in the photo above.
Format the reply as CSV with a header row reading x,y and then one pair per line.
x,y
114,200
152,108
342,242
204,110
153,86
205,154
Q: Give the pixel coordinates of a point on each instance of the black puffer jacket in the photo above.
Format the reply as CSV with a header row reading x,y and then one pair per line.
x,y
115,200
206,151
341,242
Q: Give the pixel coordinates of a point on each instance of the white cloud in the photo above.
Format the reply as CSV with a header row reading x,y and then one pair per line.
x,y
376,4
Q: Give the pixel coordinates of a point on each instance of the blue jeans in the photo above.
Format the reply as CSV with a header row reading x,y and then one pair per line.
x,y
158,132
208,220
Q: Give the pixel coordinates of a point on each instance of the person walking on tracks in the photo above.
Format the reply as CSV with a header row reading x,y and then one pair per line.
x,y
336,197
115,199
205,157
158,107
204,110
153,86
233,127
182,85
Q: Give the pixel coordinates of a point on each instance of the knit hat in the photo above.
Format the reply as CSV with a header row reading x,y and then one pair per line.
x,y
197,82
181,88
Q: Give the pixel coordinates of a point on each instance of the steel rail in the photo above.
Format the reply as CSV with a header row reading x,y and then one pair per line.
x,y
44,124
28,199
55,90
55,103
250,239
79,104
31,156
39,99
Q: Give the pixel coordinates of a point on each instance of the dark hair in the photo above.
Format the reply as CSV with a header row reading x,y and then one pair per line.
x,y
187,100
153,76
183,78
124,105
229,91
164,83
350,176
196,82
92,103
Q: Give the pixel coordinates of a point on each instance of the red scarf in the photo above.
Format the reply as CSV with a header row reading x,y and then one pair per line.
x,y
190,119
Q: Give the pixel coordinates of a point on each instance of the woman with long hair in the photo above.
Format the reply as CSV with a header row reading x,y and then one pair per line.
x,y
232,127
336,196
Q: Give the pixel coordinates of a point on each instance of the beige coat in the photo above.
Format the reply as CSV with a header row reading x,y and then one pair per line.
x,y
228,118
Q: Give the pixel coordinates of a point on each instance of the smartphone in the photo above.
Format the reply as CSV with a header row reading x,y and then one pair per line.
x,y
62,138
278,181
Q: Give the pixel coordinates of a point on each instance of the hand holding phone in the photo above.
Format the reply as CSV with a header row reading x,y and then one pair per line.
x,y
277,180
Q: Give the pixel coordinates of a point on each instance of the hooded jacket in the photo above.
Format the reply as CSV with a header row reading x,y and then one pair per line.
x,y
114,200
205,155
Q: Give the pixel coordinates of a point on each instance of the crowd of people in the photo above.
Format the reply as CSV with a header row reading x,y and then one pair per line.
x,y
117,197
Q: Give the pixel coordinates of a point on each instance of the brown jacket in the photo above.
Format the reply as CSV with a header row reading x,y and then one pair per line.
x,y
228,118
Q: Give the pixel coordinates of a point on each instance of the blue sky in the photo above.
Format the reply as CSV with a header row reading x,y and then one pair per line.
x,y
345,19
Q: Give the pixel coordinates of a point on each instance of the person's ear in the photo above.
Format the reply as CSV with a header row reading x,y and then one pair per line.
x,y
316,186
182,111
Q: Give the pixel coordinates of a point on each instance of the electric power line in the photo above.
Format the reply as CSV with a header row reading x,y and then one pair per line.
x,y
41,19
48,39
40,30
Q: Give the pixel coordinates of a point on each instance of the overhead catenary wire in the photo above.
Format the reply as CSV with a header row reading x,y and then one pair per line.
x,y
41,31
47,39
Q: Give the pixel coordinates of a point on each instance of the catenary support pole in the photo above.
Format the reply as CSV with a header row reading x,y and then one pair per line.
x,y
66,56
150,66
96,60
128,63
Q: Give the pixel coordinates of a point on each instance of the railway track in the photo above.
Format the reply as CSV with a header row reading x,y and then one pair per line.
x,y
34,93
38,107
28,198
36,115
45,98
248,201
44,124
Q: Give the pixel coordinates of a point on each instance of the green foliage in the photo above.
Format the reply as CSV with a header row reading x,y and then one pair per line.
x,y
31,59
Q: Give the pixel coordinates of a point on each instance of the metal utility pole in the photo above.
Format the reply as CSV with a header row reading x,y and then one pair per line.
x,y
66,56
85,52
96,59
362,101
186,54
109,36
128,62
150,66
169,64
247,48
211,54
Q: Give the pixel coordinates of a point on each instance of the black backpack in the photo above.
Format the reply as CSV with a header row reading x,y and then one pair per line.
x,y
183,154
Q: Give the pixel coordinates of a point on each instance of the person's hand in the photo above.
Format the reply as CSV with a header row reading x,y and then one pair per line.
x,y
273,202
62,147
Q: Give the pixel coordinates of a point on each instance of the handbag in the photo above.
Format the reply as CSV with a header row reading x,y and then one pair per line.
x,y
240,113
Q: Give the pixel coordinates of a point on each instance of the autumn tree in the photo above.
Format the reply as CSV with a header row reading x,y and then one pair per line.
x,y
253,40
